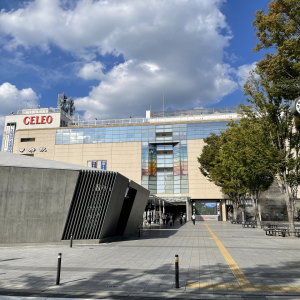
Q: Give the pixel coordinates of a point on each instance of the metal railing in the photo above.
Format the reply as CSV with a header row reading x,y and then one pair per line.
x,y
32,111
109,122
194,112
153,119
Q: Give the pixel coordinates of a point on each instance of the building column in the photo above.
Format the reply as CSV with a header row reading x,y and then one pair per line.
x,y
160,214
187,209
223,209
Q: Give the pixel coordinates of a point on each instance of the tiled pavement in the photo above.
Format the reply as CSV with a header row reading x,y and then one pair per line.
x,y
217,260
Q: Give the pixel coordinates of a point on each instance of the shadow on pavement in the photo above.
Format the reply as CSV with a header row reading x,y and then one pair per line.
x,y
157,231
134,283
121,283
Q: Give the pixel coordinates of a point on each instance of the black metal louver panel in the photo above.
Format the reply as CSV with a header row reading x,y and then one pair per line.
x,y
89,204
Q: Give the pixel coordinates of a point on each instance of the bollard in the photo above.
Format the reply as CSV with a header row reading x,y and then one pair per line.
x,y
58,269
71,241
176,272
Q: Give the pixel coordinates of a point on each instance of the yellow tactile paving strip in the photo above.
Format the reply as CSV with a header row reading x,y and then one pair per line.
x,y
243,282
151,229
235,269
238,287
190,237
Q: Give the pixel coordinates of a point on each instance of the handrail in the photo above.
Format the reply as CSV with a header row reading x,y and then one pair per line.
x,y
194,112
109,122
32,111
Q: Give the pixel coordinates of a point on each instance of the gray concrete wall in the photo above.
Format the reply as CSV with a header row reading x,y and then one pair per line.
x,y
34,203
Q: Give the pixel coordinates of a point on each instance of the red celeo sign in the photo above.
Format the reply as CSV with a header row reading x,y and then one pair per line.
x,y
37,120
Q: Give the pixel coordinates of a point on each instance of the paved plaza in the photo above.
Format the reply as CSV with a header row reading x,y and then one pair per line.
x,y
217,260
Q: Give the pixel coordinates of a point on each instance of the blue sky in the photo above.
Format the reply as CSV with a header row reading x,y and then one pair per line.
x,y
117,58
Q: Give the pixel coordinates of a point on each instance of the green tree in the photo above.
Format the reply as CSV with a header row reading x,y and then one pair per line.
x,y
274,84
278,124
213,167
251,158
209,158
278,30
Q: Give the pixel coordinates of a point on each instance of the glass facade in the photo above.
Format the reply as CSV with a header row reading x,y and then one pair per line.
x,y
164,167
151,133
164,149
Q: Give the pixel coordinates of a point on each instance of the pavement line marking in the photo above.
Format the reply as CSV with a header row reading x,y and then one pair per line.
x,y
235,269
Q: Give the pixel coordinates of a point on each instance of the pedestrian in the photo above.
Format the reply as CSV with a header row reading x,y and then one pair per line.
x,y
194,218
158,219
167,219
180,219
184,218
171,220
149,221
164,218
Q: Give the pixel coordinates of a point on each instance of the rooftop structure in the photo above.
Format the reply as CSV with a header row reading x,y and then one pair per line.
x,y
49,110
167,117
194,112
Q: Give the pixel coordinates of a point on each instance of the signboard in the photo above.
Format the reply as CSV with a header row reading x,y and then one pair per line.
x,y
103,164
97,164
205,208
11,138
34,120
206,217
6,141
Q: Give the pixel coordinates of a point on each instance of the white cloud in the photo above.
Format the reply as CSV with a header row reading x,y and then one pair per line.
x,y
12,98
92,70
243,72
231,57
171,46
122,90
150,67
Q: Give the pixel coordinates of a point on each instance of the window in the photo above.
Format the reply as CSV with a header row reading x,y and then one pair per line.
x,y
27,140
164,134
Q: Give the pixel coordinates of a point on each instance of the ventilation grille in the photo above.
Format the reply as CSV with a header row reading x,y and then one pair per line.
x,y
89,205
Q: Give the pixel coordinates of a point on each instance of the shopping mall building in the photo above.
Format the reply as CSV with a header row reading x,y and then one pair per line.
x,y
158,152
